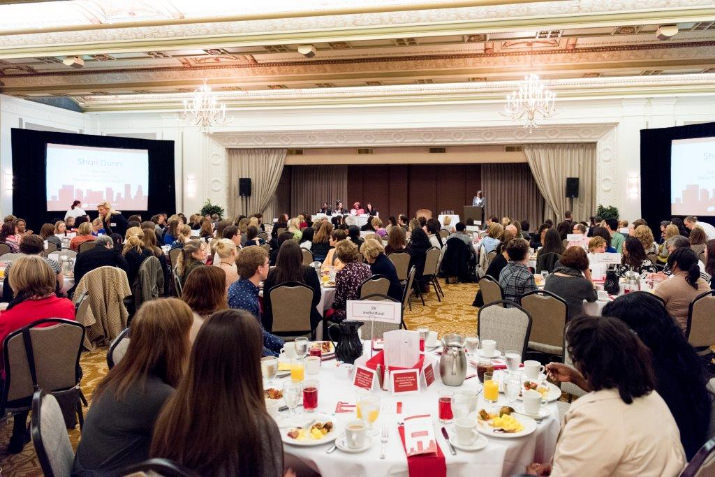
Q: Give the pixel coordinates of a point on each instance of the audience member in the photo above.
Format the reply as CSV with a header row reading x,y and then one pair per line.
x,y
7,236
644,234
204,293
691,221
193,255
493,238
331,260
537,239
354,234
306,241
183,238
602,232
321,241
671,230
135,252
31,245
710,261
432,228
112,220
571,280
75,210
227,253
634,258
47,233
396,240
84,234
550,253
617,239
102,255
417,248
374,254
697,242
347,280
171,234
516,279
118,428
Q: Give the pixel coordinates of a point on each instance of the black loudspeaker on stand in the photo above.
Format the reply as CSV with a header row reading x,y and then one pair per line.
x,y
572,187
244,191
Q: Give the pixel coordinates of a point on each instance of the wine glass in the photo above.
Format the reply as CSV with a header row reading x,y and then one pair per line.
x,y
292,394
301,347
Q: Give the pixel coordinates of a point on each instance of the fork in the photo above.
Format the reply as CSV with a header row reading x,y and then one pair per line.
x,y
384,437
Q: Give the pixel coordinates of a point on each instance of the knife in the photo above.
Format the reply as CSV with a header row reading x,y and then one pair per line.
x,y
446,438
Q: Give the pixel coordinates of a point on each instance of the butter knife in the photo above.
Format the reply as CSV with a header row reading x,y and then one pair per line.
x,y
452,450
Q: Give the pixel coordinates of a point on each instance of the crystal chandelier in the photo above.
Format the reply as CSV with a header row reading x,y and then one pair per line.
x,y
203,110
532,101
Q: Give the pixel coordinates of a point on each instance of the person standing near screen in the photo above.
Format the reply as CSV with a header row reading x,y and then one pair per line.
x,y
480,201
113,221
75,211
691,222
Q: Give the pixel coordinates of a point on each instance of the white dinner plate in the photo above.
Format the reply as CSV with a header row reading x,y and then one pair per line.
x,y
553,395
528,423
479,442
342,444
308,441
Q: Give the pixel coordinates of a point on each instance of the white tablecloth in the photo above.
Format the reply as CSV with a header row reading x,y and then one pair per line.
x,y
453,220
501,457
327,297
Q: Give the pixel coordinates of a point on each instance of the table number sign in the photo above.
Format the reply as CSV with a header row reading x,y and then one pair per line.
x,y
368,310
364,378
405,381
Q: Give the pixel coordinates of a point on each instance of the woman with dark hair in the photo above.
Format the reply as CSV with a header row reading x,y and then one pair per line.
x,y
622,427
205,293
679,377
252,237
216,423
321,241
289,268
396,240
537,239
678,222
75,211
697,242
306,240
369,209
118,428
571,280
634,258
432,228
710,260
278,242
354,235
331,260
206,231
683,286
599,231
192,256
374,254
552,245
47,232
281,223
347,280
7,236
563,229
417,248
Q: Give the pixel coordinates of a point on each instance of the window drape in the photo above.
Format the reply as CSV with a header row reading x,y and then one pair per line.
x,y
511,191
312,185
551,164
264,167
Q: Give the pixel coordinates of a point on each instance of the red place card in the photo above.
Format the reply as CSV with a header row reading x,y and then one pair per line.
x,y
405,380
364,378
428,374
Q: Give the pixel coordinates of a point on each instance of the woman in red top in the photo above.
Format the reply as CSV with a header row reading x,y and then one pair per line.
x,y
33,284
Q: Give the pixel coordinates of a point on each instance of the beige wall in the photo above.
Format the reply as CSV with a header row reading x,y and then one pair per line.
x,y
406,155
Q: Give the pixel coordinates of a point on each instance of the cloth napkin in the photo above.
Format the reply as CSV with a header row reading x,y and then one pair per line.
x,y
424,465
379,358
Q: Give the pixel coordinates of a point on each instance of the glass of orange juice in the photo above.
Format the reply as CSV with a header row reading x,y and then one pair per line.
x,y
297,371
491,388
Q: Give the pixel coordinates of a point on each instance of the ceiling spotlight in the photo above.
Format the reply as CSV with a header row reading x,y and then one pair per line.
x,y
666,32
73,61
307,50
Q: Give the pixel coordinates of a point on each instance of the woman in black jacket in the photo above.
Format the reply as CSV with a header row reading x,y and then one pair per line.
x,y
112,220
417,248
289,268
374,254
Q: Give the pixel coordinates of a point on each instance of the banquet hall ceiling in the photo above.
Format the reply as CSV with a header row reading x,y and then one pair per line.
x,y
146,48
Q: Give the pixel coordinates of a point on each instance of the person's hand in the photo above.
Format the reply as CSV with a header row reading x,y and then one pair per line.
x,y
538,469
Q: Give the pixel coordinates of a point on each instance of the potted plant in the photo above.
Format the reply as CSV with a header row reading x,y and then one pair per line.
x,y
210,209
607,212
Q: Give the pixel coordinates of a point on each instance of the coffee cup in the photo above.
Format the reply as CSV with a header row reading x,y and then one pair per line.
x,y
355,434
489,347
431,339
602,295
288,351
466,430
532,402
532,369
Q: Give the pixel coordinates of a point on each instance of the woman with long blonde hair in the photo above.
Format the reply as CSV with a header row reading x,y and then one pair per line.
x,y
118,428
227,253
113,221
135,252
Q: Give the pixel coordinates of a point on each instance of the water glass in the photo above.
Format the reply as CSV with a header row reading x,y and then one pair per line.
x,y
513,360
472,345
301,347
291,395
312,365
512,386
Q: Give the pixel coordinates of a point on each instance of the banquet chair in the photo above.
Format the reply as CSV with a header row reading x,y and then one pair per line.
x,y
700,330
490,257
408,289
177,282
431,269
491,290
291,304
546,262
4,248
307,256
174,256
49,436
118,348
401,261
84,246
374,330
50,248
548,312
376,284
158,467
43,354
703,462
509,327
443,233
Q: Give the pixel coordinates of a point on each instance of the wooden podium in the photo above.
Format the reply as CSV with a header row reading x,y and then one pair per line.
x,y
473,212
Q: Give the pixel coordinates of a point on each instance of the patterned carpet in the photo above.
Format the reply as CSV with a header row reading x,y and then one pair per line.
x,y
454,314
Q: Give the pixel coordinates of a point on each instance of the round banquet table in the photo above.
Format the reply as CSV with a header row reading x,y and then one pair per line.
x,y
327,297
501,457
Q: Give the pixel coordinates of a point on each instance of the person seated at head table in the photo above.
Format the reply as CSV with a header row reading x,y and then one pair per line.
x,y
622,427
325,209
370,210
118,428
357,209
571,280
679,377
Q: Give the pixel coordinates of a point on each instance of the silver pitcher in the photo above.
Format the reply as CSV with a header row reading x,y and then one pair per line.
x,y
453,362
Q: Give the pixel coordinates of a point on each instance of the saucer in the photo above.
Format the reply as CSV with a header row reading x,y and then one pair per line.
x,y
496,354
543,412
479,442
341,444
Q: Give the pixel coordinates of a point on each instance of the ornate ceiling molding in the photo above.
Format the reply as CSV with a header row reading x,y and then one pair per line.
x,y
358,26
412,137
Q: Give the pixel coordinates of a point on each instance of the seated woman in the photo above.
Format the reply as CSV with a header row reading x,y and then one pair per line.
x,y
596,245
571,280
33,283
496,266
206,232
252,237
374,254
710,261
679,377
622,426
47,233
172,230
184,236
493,237
294,228
378,228
550,253
203,292
645,236
227,253
417,248
193,256
7,236
321,241
357,209
219,426
516,279
396,240
289,268
369,209
331,260
135,252
151,243
282,223
684,284
354,235
118,428
537,239
97,228
698,239
347,280
602,232
306,240
670,232
84,234
634,258
432,229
